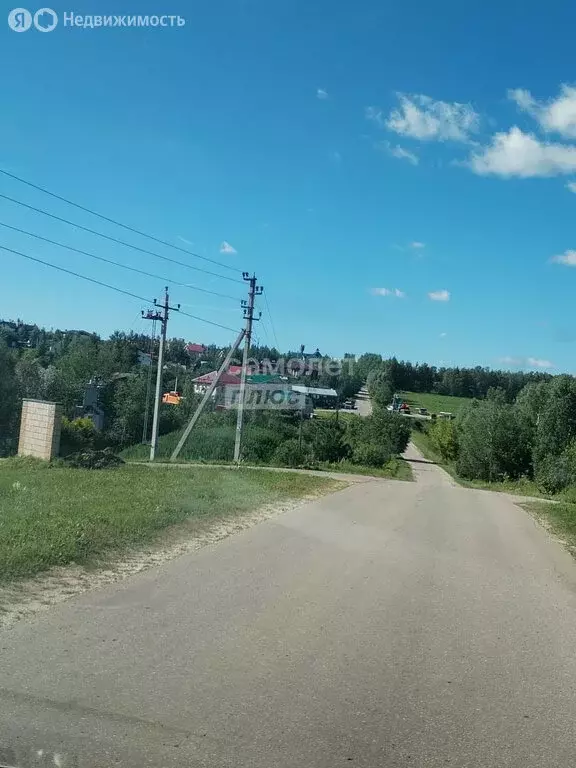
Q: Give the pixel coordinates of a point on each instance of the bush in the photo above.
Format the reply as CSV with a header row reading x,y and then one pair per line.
x,y
388,429
371,455
91,459
444,438
557,473
289,454
77,435
327,440
260,444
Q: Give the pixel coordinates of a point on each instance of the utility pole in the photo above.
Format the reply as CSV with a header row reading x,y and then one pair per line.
x,y
253,291
154,316
207,395
163,318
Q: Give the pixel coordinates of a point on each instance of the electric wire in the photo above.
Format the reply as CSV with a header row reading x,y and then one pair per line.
x,y
118,264
118,241
117,223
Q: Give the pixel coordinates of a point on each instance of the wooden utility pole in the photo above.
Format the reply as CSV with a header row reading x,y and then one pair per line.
x,y
253,291
163,317
207,395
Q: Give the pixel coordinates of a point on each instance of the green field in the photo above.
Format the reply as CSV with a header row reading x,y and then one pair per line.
x,y
55,516
435,403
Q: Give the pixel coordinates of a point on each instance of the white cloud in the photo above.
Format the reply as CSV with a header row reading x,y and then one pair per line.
x,y
225,247
535,362
571,186
443,335
321,94
389,292
403,154
442,295
375,115
416,244
568,258
525,362
555,116
516,153
421,117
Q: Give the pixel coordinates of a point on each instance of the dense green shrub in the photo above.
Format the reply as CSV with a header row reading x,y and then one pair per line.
x,y
371,455
290,454
493,442
327,438
557,473
260,444
444,438
388,429
77,435
93,459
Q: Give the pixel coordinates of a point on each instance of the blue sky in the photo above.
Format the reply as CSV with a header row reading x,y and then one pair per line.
x,y
397,175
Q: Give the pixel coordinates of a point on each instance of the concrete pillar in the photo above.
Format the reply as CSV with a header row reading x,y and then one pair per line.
x,y
40,429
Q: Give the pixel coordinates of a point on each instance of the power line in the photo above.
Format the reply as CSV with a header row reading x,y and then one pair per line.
x,y
118,223
210,322
104,285
119,242
271,321
118,264
75,274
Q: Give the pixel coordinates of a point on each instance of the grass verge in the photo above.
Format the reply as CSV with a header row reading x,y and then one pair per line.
x,y
521,487
559,518
56,516
396,469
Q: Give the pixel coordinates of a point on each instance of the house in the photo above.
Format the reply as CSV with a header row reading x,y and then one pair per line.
x,y
202,383
320,397
195,349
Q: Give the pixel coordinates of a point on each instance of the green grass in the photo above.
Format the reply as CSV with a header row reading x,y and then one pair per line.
x,y
325,413
424,444
396,469
55,516
435,403
521,487
561,518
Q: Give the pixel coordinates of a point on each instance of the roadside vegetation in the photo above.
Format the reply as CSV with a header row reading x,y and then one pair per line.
x,y
560,518
527,446
51,515
368,445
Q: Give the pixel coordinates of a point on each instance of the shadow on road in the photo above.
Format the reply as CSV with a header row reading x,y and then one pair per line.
x,y
418,461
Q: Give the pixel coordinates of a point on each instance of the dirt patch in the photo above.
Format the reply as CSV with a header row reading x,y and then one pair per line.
x,y
25,598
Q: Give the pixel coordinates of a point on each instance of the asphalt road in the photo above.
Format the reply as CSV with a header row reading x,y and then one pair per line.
x,y
391,624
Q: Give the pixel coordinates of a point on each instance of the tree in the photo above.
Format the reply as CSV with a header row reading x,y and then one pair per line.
x,y
380,387
493,442
9,401
556,426
444,437
327,438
